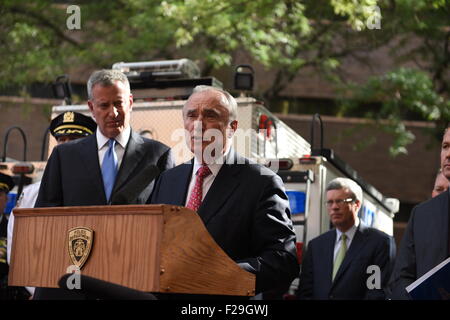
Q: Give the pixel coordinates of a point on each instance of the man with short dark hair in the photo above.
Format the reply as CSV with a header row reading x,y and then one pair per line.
x,y
336,262
426,241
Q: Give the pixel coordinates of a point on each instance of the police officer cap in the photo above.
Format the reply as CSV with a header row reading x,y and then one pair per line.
x,y
72,123
6,183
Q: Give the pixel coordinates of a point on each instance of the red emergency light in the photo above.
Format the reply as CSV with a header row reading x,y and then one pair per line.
x,y
265,123
307,159
23,168
283,164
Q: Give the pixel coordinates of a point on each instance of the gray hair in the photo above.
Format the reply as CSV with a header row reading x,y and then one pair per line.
x,y
106,78
231,101
344,183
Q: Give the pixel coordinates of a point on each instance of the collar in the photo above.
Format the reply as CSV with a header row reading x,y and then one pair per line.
x,y
122,138
350,233
214,167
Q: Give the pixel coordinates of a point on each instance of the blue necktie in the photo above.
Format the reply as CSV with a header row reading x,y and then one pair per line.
x,y
109,168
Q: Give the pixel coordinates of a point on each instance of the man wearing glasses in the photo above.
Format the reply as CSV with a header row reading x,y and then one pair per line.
x,y
336,264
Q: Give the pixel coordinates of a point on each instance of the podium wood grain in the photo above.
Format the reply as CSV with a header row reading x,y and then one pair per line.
x,y
193,262
154,248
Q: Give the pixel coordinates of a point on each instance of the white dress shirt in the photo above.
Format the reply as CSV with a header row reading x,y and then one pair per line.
x,y
119,147
350,233
208,180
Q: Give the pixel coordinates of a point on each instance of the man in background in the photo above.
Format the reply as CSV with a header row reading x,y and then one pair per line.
x,y
336,263
6,292
426,241
441,184
65,127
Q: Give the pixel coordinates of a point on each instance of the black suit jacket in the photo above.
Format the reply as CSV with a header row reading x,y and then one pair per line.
x,y
368,247
73,176
424,244
246,211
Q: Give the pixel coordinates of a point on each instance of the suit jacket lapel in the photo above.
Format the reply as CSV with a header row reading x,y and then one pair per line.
x,y
328,254
446,225
89,155
180,183
441,225
131,158
223,186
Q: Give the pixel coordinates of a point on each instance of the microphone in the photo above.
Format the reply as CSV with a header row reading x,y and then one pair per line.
x,y
99,289
132,188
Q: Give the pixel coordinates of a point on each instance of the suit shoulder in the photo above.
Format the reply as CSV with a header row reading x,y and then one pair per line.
x,y
330,234
257,170
376,234
432,203
173,172
73,144
155,144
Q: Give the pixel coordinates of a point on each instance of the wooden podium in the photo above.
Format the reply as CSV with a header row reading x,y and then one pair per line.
x,y
153,248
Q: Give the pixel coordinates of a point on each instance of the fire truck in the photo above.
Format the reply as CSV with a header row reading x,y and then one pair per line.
x,y
160,90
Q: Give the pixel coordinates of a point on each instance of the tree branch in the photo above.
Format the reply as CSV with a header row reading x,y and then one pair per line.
x,y
45,23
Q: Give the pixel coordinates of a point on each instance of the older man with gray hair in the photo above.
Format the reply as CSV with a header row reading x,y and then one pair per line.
x,y
243,205
113,166
336,264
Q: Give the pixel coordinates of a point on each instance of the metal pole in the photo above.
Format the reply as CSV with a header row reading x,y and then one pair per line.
x,y
44,143
6,142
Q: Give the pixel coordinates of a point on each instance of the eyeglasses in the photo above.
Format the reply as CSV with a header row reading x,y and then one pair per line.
x,y
339,202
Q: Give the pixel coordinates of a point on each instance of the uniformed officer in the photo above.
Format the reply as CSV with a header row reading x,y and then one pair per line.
x,y
6,293
65,127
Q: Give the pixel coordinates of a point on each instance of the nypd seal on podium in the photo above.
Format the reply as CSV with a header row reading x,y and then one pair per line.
x,y
80,245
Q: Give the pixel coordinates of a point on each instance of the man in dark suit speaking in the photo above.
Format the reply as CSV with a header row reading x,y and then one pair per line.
x,y
336,262
426,241
243,205
113,166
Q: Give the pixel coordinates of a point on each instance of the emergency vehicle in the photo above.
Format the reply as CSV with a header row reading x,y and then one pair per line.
x,y
159,96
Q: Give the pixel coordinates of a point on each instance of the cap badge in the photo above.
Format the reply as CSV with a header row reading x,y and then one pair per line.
x,y
80,245
69,117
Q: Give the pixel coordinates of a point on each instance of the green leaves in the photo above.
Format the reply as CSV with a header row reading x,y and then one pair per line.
x,y
284,35
268,30
402,94
358,12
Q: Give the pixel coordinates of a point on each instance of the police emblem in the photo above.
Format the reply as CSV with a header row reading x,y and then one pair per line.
x,y
80,245
69,117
